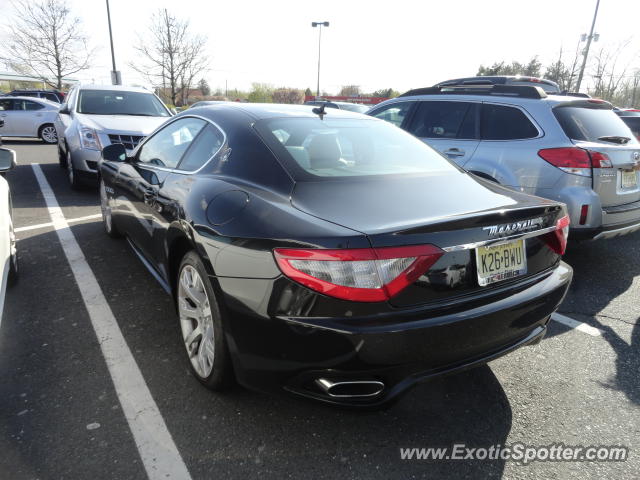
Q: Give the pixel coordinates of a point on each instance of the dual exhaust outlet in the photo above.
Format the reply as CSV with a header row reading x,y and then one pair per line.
x,y
350,388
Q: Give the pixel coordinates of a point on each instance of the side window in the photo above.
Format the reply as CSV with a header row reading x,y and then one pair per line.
x,y
500,122
203,148
166,147
70,98
6,104
443,120
32,105
52,97
394,113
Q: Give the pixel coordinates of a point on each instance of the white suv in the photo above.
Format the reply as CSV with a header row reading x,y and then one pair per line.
x,y
94,116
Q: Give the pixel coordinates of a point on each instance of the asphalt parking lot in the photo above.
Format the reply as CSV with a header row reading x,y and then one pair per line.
x,y
61,417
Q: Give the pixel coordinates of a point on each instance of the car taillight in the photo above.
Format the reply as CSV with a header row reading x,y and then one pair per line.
x,y
557,240
578,161
361,274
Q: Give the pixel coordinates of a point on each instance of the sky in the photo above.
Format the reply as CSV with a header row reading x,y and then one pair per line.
x,y
374,44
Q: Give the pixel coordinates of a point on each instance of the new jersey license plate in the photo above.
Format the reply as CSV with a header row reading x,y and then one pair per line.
x,y
501,262
629,179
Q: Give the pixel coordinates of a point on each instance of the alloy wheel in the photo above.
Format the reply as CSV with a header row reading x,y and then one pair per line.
x,y
49,134
196,321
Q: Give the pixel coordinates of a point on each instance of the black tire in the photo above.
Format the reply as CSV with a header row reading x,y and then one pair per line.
x,y
72,174
62,159
44,135
221,376
108,223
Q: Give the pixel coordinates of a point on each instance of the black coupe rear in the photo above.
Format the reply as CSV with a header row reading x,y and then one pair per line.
x,y
331,254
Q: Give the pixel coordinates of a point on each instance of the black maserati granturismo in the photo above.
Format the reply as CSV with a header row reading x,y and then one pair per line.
x,y
330,254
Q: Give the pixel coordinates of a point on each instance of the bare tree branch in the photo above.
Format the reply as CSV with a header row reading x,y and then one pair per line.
x,y
46,41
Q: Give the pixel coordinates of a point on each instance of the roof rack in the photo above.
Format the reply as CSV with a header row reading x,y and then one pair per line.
x,y
522,91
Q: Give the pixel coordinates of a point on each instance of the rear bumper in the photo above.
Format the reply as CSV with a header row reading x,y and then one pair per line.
x,y
396,349
608,231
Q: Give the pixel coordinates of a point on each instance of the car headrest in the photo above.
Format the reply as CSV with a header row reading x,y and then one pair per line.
x,y
324,151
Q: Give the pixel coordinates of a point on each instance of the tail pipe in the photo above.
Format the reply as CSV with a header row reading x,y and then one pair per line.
x,y
350,388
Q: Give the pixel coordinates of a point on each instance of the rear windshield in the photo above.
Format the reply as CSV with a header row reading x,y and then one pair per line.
x,y
590,124
311,147
116,102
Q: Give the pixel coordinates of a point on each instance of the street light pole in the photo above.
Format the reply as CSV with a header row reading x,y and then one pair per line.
x,y
320,25
115,75
586,50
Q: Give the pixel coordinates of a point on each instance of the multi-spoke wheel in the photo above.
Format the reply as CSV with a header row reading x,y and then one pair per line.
x,y
107,216
201,324
48,134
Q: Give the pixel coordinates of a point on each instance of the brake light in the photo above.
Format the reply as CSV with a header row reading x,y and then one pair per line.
x,y
557,240
577,161
362,274
584,211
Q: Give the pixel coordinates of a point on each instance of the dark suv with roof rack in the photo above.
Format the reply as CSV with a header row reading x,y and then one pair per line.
x,y
51,95
567,148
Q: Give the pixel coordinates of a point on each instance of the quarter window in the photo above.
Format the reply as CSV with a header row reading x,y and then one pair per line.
x,y
444,120
27,105
394,113
166,147
500,122
6,104
203,148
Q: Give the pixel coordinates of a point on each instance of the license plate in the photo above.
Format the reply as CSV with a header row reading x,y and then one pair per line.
x,y
501,262
629,179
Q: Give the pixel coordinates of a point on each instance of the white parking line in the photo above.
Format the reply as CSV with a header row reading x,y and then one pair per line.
x,y
570,322
50,224
157,450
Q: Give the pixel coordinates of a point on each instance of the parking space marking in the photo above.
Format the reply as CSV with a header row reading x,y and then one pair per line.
x,y
157,449
50,224
570,322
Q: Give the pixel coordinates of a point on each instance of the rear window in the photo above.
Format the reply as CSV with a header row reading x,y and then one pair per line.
x,y
590,124
332,148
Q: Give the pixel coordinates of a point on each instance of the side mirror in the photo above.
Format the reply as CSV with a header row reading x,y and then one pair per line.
x,y
64,110
7,159
114,153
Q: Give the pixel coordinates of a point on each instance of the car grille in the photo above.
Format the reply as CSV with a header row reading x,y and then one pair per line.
x,y
129,141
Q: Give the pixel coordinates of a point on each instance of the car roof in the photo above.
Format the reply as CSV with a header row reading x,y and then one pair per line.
x,y
259,111
122,88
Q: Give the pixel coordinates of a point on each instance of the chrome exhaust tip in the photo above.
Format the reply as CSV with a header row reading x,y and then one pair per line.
x,y
350,388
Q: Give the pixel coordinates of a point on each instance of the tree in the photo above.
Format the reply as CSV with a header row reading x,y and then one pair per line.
x,y
386,93
350,91
564,73
204,88
308,92
533,68
260,93
172,57
46,41
288,95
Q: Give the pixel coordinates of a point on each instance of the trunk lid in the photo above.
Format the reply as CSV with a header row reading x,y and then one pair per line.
x,y
453,212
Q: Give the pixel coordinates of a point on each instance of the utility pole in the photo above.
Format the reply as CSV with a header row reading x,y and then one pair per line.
x,y
320,25
586,50
116,78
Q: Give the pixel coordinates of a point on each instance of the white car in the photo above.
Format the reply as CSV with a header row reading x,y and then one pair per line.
x,y
29,117
8,256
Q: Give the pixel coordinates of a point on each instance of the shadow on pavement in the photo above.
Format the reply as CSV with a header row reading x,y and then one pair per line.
x,y
603,271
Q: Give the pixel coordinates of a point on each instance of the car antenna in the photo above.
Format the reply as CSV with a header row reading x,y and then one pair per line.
x,y
320,111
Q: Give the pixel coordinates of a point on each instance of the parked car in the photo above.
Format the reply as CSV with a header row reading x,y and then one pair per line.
x,y
548,86
633,122
51,95
29,117
205,103
352,107
566,148
8,252
298,248
94,116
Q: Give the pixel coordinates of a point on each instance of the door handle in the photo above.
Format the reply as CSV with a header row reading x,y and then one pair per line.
x,y
454,152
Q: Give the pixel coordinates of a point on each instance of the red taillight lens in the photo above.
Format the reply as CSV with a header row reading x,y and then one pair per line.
x,y
575,160
362,274
557,240
584,211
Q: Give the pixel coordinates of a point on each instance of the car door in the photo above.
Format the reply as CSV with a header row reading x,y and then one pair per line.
x,y
6,114
449,126
139,182
27,117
